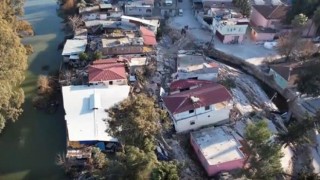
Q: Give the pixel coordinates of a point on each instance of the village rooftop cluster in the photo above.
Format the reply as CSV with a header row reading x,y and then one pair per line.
x,y
124,37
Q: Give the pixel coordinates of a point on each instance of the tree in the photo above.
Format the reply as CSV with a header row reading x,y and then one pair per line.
x,y
264,155
81,4
133,163
83,56
244,6
74,22
165,171
316,17
136,121
309,79
99,159
13,63
96,55
299,21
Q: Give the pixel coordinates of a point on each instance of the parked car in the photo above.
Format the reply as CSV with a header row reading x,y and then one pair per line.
x,y
316,39
180,11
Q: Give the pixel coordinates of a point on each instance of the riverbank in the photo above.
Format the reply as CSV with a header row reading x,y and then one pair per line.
x,y
30,146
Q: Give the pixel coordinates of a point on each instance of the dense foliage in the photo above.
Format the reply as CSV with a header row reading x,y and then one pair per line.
x,y
244,6
306,7
309,79
13,62
136,121
264,154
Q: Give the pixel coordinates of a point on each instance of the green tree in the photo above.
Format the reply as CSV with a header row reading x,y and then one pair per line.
x,y
309,79
299,22
136,121
96,55
83,56
165,171
99,159
244,6
133,163
13,63
264,155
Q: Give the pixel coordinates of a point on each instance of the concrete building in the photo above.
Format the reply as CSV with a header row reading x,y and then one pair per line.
x,y
266,21
195,108
193,65
218,149
72,49
139,8
228,25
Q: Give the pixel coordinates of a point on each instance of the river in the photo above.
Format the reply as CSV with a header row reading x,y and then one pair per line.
x,y
30,145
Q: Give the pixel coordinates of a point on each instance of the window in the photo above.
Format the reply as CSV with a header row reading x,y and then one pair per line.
x,y
192,122
207,108
110,82
191,111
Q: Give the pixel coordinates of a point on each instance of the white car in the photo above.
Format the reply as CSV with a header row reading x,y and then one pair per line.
x,y
180,12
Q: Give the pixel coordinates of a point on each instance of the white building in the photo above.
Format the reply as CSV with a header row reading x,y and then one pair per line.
x,y
85,110
195,108
138,8
192,65
72,49
152,24
228,25
218,149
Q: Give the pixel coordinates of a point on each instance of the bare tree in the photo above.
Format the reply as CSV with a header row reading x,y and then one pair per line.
x,y
74,22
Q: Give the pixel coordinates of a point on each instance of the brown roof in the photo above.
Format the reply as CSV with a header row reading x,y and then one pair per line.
x,y
272,12
107,71
187,83
208,94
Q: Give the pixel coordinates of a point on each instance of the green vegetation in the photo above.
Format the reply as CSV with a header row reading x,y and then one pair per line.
x,y
13,61
264,155
244,6
309,79
306,7
84,56
136,122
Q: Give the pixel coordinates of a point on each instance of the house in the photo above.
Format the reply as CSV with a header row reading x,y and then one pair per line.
x,y
152,24
72,49
149,38
228,25
85,110
101,12
193,65
216,3
136,62
265,18
186,84
168,8
122,45
219,149
202,106
139,8
285,74
108,72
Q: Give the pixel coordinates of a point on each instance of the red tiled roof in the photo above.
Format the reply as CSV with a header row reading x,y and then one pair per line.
x,y
106,71
148,36
208,94
214,65
186,83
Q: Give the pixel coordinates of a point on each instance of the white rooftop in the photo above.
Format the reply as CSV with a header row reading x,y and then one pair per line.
x,y
85,110
148,22
218,144
74,47
138,61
